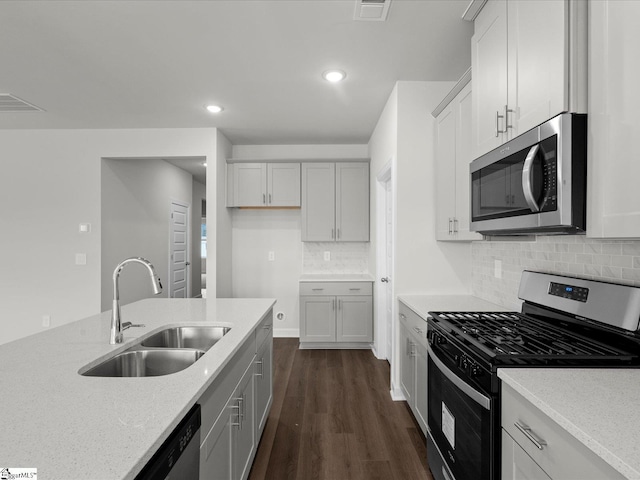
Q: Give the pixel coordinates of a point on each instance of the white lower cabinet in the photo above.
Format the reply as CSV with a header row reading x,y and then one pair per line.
x,y
336,314
413,363
264,383
534,447
235,409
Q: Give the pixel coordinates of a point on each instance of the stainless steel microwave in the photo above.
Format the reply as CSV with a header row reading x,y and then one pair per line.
x,y
535,183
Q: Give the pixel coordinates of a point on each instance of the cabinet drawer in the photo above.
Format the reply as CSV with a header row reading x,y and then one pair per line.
x,y
215,398
557,452
336,288
414,323
264,330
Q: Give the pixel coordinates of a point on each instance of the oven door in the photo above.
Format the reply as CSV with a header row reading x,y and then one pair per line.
x,y
460,423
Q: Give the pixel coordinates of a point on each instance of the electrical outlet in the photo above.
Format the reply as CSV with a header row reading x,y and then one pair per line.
x,y
81,258
272,256
327,256
497,268
46,320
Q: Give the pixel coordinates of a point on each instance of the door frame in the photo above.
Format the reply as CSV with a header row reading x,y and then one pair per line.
x,y
385,175
186,205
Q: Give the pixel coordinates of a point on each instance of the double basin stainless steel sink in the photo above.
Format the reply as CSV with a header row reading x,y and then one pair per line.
x,y
167,351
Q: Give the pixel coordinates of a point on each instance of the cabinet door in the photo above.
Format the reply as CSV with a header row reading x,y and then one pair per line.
x,y
489,79
318,202
464,156
516,464
407,364
250,184
244,444
264,385
420,392
537,62
354,322
445,172
216,449
317,319
283,184
613,203
352,202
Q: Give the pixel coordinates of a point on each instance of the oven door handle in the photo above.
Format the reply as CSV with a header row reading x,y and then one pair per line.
x,y
479,398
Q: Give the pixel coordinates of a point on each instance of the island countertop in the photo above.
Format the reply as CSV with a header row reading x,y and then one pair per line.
x,y
69,426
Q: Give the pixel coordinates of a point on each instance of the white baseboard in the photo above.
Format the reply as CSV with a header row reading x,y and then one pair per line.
x,y
286,332
396,394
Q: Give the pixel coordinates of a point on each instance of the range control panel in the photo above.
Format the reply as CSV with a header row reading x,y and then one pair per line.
x,y
571,292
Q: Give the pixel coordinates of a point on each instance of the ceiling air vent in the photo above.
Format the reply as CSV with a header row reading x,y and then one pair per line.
x,y
372,10
10,104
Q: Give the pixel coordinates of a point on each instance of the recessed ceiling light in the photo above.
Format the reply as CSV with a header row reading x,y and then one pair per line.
x,y
214,108
334,76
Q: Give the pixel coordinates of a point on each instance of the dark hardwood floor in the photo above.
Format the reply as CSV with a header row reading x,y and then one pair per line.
x,y
333,419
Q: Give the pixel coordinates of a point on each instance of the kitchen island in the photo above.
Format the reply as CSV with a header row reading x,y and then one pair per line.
x,y
70,426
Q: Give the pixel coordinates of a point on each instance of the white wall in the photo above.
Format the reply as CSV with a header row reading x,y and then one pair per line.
x,y
50,183
136,206
219,226
199,194
257,232
405,135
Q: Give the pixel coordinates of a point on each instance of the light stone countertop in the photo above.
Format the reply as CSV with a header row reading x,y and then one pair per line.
x,y
423,304
599,407
337,277
73,427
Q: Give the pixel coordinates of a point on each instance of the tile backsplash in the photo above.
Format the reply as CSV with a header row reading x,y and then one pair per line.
x,y
346,257
574,255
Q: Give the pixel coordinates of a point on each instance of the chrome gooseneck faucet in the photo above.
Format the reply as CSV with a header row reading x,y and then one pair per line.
x,y
116,323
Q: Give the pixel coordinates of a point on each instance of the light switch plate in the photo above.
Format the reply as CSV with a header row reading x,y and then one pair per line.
x,y
81,258
327,256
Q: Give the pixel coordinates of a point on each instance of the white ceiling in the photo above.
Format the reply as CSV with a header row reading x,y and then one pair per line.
x,y
155,64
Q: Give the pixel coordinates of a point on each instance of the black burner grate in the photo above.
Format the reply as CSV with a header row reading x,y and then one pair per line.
x,y
519,336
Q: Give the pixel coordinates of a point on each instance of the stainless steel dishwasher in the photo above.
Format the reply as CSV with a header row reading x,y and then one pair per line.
x,y
179,456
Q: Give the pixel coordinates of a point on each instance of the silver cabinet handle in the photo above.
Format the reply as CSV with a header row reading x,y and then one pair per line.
x,y
449,225
339,304
264,199
417,330
261,372
526,431
241,404
237,406
455,225
507,111
384,279
333,304
269,199
338,234
333,235
527,178
498,117
354,289
317,289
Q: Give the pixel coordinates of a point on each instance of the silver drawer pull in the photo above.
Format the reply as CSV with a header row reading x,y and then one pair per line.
x,y
317,289
526,431
417,330
355,289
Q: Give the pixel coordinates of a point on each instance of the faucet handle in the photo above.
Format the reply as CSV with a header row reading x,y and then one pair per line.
x,y
126,325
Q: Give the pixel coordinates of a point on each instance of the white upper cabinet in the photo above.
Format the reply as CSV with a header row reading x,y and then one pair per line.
x,y
529,64
453,155
613,203
263,184
335,202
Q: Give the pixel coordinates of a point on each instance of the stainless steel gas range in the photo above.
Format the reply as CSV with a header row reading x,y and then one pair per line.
x,y
564,322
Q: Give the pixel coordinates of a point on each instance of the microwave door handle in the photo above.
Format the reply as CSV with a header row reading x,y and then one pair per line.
x,y
527,178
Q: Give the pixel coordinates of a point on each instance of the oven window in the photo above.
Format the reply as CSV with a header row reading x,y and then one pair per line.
x,y
497,189
460,427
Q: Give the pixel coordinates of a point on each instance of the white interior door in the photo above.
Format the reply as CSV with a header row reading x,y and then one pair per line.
x,y
389,265
179,251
